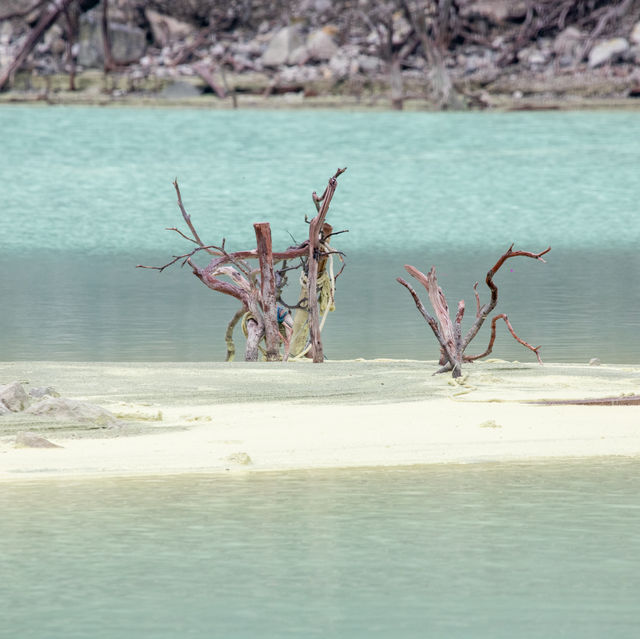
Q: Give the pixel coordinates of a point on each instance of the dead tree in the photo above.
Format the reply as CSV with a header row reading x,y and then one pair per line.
x,y
448,333
259,289
50,12
48,18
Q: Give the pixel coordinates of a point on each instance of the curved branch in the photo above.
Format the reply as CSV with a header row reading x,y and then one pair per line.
x,y
489,306
493,339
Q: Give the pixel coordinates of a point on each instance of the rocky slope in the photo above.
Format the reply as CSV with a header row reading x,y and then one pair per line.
x,y
450,54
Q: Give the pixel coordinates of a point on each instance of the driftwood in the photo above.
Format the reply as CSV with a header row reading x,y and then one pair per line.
x,y
624,400
205,73
448,333
259,290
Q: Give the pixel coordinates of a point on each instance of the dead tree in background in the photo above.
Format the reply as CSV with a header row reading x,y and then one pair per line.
x,y
448,333
414,27
49,16
259,289
393,46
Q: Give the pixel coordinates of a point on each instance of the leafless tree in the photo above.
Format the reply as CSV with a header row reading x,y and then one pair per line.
x,y
259,289
448,333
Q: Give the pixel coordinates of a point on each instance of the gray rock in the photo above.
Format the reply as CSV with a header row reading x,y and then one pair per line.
x,y
128,43
62,409
635,33
178,90
31,440
401,28
341,66
568,43
280,47
300,55
368,63
496,11
607,51
3,410
321,46
166,29
14,397
41,391
633,54
533,57
6,33
12,6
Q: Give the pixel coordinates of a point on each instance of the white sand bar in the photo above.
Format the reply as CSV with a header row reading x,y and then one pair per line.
x,y
193,418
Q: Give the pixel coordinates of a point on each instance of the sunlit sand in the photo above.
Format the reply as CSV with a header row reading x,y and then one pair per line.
x,y
230,418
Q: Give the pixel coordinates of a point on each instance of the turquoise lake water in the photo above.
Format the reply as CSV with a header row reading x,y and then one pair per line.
x,y
540,550
474,551
87,194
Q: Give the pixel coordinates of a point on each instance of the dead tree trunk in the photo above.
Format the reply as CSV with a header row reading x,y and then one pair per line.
x,y
254,335
109,63
71,27
268,291
314,256
448,333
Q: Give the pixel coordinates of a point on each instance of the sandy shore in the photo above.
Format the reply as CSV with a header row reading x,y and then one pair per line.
x,y
192,418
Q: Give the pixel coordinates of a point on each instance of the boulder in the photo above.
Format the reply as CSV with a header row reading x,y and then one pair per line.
x,y
300,55
128,43
9,7
166,29
341,66
41,391
568,45
368,63
633,55
496,11
281,46
6,33
179,90
14,397
62,409
194,10
321,46
607,51
31,440
533,57
634,38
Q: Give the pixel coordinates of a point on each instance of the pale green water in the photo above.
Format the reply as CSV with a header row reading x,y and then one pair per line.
x,y
86,195
481,551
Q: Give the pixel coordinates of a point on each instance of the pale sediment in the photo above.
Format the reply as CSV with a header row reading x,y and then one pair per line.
x,y
194,417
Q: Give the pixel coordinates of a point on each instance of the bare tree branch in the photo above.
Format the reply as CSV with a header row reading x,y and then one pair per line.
x,y
535,349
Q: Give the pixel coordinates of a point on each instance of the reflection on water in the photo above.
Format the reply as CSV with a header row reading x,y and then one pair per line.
x,y
87,195
102,308
528,550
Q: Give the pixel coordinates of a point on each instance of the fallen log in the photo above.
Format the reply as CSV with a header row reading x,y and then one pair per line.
x,y
622,400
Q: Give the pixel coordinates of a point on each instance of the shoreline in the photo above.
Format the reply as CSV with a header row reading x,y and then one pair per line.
x,y
183,418
293,102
